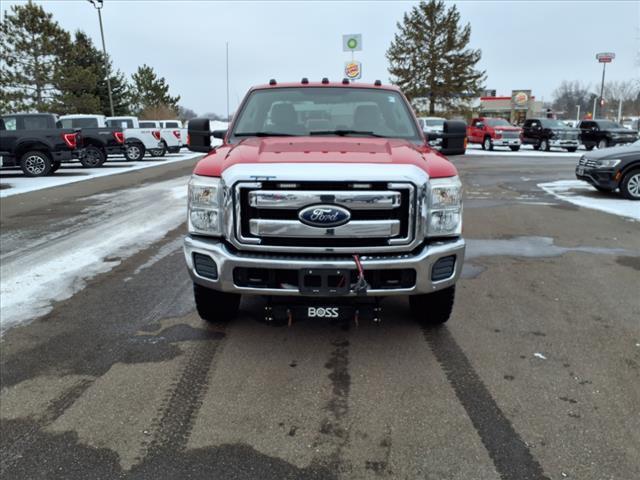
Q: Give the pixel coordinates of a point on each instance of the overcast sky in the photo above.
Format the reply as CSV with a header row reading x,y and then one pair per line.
x,y
525,45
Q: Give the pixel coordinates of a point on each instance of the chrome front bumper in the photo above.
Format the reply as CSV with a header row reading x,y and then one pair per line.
x,y
506,142
227,260
564,143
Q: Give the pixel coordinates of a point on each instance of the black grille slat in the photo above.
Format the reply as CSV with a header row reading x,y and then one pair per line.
x,y
205,266
443,268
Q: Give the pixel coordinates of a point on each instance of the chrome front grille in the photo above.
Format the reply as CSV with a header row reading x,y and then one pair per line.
x,y
506,134
585,162
382,215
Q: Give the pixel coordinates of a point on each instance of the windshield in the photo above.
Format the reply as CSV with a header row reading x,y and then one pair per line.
x,y
550,123
604,124
348,111
497,122
79,122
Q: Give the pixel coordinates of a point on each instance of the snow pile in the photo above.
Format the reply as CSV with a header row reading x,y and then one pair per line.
x,y
74,172
55,266
584,195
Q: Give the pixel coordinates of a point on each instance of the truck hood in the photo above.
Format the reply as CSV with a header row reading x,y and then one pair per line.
x,y
346,150
622,152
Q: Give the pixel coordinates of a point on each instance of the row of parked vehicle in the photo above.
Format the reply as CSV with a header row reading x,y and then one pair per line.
x,y
540,133
40,142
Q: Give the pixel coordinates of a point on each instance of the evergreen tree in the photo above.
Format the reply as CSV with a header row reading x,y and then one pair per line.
x,y
120,92
151,91
76,78
31,44
429,57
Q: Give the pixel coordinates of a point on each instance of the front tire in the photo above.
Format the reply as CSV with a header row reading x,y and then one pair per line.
x,y
93,157
433,308
487,144
630,185
158,152
134,152
35,164
544,145
572,149
515,149
214,306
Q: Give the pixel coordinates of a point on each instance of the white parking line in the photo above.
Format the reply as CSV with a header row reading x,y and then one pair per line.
x,y
14,182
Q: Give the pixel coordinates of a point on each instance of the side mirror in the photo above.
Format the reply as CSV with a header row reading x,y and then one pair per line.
x,y
454,137
199,135
219,134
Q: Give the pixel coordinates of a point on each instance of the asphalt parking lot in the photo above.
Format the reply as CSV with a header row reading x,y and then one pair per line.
x,y
108,372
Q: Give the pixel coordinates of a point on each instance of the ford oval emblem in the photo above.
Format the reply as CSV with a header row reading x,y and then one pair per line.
x,y
324,215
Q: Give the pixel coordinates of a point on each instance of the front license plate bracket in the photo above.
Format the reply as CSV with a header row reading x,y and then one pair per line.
x,y
324,281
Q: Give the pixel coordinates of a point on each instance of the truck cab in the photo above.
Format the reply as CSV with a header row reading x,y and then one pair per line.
x,y
325,198
493,132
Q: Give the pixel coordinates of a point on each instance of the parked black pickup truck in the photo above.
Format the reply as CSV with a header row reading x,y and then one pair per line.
x,y
38,151
98,140
544,133
604,133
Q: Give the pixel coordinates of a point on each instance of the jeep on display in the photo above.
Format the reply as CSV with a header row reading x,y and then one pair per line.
x,y
544,133
604,133
324,197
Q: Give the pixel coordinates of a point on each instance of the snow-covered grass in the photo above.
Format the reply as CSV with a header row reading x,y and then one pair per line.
x,y
14,182
584,195
38,270
525,151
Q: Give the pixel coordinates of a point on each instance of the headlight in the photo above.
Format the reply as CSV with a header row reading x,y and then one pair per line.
x,y
205,200
444,211
608,163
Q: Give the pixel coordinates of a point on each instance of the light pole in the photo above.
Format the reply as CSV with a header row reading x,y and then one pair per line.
x,y
578,114
227,81
98,4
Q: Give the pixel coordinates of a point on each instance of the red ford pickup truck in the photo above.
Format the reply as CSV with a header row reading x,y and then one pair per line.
x,y
324,197
494,132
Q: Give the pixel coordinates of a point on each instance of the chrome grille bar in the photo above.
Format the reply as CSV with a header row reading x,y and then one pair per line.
x,y
293,199
296,229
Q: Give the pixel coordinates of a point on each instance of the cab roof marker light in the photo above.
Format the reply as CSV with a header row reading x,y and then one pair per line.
x,y
304,81
377,83
272,81
325,80
345,81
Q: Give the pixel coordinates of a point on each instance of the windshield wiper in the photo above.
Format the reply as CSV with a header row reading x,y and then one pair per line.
x,y
264,134
345,132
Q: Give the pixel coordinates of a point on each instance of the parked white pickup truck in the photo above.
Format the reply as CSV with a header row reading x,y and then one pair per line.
x,y
138,140
170,137
177,124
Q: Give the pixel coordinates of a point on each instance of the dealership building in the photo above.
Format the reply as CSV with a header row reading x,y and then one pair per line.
x,y
515,109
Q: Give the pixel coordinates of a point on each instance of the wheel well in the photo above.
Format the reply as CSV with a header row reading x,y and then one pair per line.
x,y
94,143
24,148
629,168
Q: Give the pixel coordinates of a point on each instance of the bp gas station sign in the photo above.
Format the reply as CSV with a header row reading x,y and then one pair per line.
x,y
352,43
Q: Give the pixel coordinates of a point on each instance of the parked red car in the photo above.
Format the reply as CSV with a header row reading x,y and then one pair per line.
x,y
494,132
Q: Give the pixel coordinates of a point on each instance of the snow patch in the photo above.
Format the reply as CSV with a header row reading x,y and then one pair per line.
x,y
73,173
118,226
582,194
